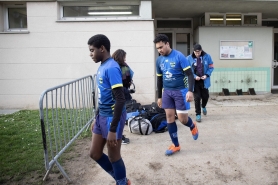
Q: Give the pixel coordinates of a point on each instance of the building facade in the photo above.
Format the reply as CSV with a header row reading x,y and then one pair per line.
x,y
44,43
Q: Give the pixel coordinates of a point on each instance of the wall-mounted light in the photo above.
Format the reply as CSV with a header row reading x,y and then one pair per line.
x,y
228,19
233,19
216,19
109,13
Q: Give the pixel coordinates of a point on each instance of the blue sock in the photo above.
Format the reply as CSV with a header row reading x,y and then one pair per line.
x,y
105,163
190,123
173,131
119,171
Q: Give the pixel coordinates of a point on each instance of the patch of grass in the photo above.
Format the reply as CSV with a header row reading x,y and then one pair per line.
x,y
20,145
21,148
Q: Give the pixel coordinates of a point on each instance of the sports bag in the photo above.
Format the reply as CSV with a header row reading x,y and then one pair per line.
x,y
131,115
156,115
159,123
139,125
150,110
132,106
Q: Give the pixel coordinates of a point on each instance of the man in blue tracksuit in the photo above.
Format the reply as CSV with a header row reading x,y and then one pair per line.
x,y
202,66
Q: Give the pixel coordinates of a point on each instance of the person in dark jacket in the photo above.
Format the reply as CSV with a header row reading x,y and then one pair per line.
x,y
202,67
127,74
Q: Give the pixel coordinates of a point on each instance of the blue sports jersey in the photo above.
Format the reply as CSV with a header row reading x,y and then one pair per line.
x,y
171,68
109,76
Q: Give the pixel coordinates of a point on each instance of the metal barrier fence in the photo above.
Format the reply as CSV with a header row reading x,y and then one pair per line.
x,y
65,112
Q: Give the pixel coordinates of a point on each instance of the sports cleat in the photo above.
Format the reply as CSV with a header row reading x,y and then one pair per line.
x,y
204,111
195,132
198,118
128,182
172,149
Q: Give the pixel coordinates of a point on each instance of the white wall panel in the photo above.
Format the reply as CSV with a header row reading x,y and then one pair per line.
x,y
24,101
146,9
69,39
261,36
43,71
137,54
141,68
45,55
31,87
51,24
57,52
42,9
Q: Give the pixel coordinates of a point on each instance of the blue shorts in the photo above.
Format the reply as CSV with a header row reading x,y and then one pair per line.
x,y
175,99
102,125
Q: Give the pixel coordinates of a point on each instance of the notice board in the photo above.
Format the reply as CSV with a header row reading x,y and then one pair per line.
x,y
236,49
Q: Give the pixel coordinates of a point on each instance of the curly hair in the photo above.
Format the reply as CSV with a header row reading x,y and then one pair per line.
x,y
99,40
119,56
161,37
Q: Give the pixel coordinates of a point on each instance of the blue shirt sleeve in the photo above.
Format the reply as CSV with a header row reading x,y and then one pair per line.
x,y
115,77
184,62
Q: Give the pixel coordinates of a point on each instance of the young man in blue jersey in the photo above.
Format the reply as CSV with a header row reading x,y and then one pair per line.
x,y
111,115
175,76
202,66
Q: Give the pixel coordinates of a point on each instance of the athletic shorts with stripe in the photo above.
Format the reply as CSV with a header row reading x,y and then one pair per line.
x,y
102,125
175,99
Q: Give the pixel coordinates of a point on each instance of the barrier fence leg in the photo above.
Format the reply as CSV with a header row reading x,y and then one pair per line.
x,y
48,171
62,170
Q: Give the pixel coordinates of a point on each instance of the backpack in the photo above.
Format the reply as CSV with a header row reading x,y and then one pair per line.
x,y
150,110
132,106
156,115
159,123
139,125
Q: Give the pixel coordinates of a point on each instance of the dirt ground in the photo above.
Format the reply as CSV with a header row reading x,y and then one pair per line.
x,y
237,144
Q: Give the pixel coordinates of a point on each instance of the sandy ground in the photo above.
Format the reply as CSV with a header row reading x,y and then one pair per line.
x,y
237,144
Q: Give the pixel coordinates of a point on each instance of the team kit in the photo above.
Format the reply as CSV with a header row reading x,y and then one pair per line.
x,y
180,80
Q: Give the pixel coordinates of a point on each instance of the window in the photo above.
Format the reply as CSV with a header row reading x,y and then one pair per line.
x,y
270,23
106,10
173,23
100,11
15,17
216,19
250,19
233,19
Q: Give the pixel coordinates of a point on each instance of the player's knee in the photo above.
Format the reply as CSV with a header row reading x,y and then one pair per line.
x,y
94,155
184,121
170,117
114,157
